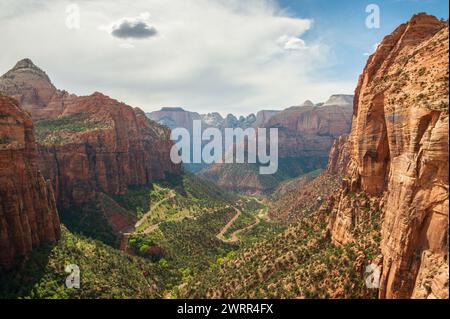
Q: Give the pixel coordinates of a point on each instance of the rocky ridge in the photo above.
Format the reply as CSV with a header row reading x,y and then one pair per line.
x,y
28,215
89,145
399,157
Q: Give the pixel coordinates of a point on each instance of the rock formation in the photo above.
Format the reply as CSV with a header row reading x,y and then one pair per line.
x,y
117,147
175,117
178,117
399,153
305,136
262,117
309,131
35,92
339,156
28,215
90,144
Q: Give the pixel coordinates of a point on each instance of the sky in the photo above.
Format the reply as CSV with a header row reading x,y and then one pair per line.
x,y
226,56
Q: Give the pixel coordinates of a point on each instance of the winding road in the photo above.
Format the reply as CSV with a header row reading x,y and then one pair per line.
x,y
234,236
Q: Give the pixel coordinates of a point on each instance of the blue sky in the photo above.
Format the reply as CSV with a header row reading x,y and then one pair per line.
x,y
341,24
227,56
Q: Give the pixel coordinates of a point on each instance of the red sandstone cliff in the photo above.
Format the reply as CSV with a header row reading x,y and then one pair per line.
x,y
122,148
399,157
90,144
339,156
309,131
28,213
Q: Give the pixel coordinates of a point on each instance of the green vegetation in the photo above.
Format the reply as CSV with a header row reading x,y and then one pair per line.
x,y
242,177
301,261
245,220
104,272
187,243
89,220
179,197
64,129
186,247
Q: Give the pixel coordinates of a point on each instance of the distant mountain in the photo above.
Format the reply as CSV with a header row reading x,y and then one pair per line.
x,y
306,135
178,117
340,99
262,117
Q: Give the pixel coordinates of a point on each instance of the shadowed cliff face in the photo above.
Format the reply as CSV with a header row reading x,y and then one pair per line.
x,y
399,152
28,213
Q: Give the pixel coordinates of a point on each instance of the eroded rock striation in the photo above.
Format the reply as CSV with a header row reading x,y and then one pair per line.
x,y
399,154
28,215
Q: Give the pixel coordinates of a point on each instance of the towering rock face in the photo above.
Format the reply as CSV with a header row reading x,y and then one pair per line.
x,y
339,156
100,144
28,213
399,153
91,144
309,131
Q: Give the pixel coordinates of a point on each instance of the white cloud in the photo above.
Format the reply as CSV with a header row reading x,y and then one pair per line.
x,y
292,43
222,55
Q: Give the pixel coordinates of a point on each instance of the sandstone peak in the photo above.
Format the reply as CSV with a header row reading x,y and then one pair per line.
x,y
99,95
27,66
398,152
307,103
423,17
340,99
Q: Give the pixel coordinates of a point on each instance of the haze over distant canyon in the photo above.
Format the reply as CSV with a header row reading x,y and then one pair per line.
x,y
362,181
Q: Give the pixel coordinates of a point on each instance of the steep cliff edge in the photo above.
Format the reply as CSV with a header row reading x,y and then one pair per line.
x,y
89,147
28,215
399,154
101,145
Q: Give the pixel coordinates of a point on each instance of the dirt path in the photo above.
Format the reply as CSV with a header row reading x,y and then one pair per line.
x,y
147,215
227,226
234,236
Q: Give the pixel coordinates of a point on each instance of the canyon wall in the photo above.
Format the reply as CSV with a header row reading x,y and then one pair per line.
x,y
309,130
117,147
305,137
28,215
90,146
399,156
